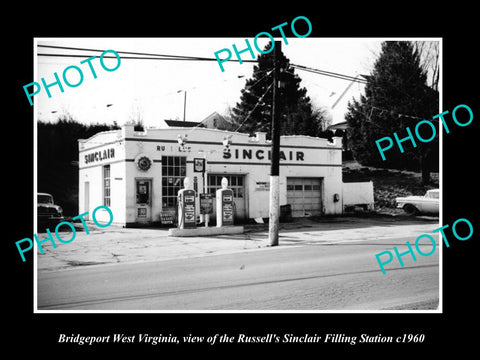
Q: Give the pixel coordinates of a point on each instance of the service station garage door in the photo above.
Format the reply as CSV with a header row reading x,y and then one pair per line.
x,y
304,196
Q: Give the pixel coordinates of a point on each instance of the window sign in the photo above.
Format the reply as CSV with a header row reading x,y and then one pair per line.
x,y
199,165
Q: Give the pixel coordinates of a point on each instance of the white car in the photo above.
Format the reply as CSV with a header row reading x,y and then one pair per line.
x,y
427,204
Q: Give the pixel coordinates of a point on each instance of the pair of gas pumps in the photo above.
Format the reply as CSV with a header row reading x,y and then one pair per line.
x,y
187,213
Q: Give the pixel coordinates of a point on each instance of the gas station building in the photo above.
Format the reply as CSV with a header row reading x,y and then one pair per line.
x,y
138,174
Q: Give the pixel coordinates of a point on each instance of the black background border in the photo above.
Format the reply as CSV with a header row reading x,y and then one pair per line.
x,y
40,331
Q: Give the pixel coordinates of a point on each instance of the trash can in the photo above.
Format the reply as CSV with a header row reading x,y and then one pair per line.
x,y
285,213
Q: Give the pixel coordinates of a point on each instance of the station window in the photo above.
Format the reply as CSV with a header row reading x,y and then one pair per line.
x,y
106,185
235,182
174,170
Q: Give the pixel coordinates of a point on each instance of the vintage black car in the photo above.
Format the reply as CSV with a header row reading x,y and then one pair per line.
x,y
47,211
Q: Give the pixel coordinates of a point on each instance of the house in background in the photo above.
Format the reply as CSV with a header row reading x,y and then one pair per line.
x,y
180,123
217,121
212,121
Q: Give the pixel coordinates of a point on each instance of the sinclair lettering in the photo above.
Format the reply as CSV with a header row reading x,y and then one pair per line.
x,y
261,154
99,155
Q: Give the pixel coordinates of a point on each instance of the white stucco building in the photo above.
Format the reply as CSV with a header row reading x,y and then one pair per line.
x,y
138,174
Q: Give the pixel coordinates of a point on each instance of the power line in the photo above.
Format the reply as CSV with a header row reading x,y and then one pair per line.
x,y
183,138
382,110
130,57
146,58
329,73
142,57
176,57
251,111
353,79
154,56
267,72
120,52
191,58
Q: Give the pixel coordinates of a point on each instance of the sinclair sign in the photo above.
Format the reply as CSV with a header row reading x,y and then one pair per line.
x,y
261,154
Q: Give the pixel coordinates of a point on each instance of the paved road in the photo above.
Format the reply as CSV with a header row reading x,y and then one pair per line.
x,y
322,276
117,245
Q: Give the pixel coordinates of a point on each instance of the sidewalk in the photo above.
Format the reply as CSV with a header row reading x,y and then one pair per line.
x,y
118,245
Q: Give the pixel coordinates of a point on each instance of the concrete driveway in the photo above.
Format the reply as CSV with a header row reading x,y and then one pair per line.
x,y
118,245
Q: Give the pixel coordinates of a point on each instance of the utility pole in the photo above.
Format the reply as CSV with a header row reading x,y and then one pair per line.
x,y
274,212
184,105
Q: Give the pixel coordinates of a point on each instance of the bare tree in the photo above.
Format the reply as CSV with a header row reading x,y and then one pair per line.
x,y
136,117
323,117
429,52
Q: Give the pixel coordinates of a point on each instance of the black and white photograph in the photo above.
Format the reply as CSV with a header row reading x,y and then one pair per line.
x,y
135,123
269,181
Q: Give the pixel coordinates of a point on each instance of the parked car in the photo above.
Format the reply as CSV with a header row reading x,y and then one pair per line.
x,y
427,204
47,211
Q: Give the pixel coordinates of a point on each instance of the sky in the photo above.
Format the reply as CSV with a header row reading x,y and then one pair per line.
x,y
155,90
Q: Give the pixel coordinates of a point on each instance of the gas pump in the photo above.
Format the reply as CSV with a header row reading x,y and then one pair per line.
x,y
224,205
187,218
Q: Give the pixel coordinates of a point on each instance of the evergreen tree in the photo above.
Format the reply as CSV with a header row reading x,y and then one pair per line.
x,y
57,157
396,97
294,107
